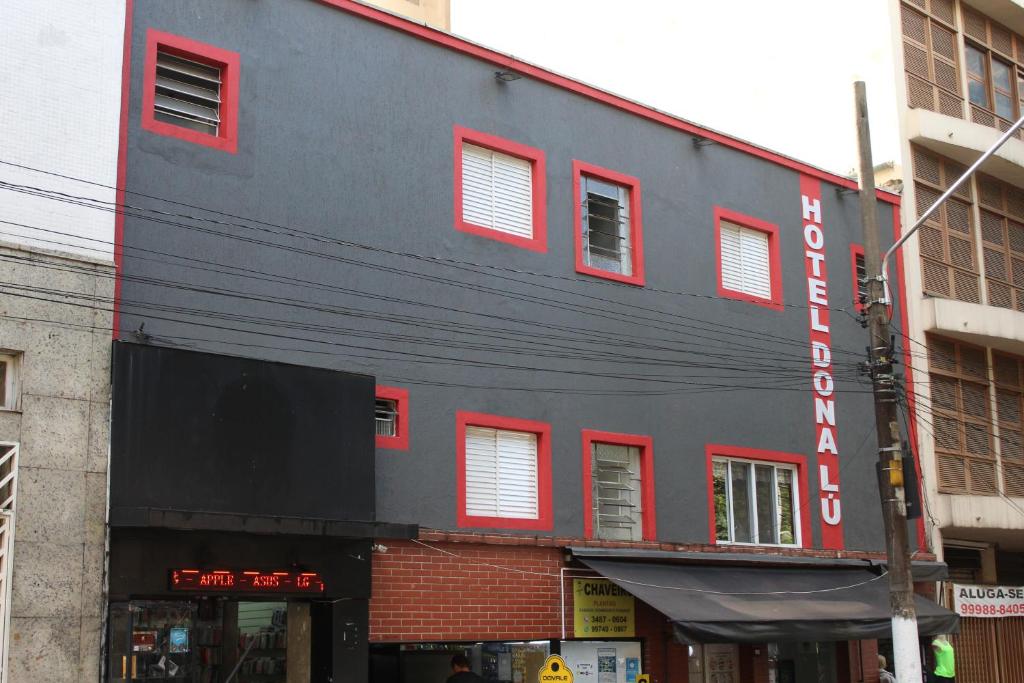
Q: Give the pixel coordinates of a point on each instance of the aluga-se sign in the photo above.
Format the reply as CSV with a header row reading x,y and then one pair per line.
x,y
822,380
988,601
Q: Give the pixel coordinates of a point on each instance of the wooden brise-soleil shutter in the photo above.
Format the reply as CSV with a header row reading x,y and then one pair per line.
x,y
1009,401
501,473
930,57
746,260
947,237
497,191
960,418
1002,234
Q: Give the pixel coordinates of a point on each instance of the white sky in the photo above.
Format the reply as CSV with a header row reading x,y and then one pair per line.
x,y
778,73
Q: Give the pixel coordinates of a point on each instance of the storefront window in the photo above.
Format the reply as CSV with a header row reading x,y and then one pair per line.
x,y
495,662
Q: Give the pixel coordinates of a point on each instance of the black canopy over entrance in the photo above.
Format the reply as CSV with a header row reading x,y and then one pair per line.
x,y
737,604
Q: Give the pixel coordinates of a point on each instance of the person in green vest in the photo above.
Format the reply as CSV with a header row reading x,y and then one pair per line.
x,y
945,662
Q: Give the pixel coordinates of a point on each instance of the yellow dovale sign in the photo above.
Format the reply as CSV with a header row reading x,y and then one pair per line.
x,y
555,671
643,678
602,610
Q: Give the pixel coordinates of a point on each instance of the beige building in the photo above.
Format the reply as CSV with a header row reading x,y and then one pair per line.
x,y
963,69
435,13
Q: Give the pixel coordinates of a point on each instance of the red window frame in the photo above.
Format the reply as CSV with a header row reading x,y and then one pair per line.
x,y
539,241
754,454
400,441
646,446
543,522
228,62
774,256
580,169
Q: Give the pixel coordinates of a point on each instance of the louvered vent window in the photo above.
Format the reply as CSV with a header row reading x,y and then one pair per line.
x,y
755,502
386,414
501,473
746,260
497,191
960,418
947,237
188,93
606,228
615,483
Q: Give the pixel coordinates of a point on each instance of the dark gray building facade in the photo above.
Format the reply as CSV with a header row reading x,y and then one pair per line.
x,y
324,207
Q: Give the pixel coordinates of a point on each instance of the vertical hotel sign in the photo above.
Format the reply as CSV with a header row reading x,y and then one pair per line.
x,y
822,378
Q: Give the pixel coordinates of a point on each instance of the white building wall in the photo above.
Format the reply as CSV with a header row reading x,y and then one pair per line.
x,y
60,101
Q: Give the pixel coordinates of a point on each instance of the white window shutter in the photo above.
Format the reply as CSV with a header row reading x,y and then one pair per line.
x,y
746,260
497,191
517,475
501,473
481,472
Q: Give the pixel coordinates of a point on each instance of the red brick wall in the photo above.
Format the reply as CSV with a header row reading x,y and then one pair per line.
x,y
421,594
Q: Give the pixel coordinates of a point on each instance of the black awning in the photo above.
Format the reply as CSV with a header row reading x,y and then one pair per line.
x,y
724,604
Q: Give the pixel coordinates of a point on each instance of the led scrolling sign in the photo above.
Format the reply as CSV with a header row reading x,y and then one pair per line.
x,y
238,581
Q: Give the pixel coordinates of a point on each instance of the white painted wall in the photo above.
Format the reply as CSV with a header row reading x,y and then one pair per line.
x,y
60,101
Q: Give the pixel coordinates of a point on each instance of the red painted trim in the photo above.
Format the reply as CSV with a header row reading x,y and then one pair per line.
x,y
579,169
544,519
543,75
539,241
774,256
855,251
122,165
742,453
646,446
229,63
400,441
822,369
908,372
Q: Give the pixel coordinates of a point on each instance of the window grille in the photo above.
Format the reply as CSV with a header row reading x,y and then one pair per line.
x,y
501,473
8,496
755,502
188,93
607,240
746,260
862,278
497,191
386,417
615,482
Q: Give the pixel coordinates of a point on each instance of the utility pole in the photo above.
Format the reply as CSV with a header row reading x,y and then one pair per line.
x,y
890,482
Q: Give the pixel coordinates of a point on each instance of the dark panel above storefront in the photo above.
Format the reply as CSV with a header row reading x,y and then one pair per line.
x,y
251,445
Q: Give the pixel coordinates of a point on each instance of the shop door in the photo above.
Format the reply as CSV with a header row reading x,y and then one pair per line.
x,y
152,640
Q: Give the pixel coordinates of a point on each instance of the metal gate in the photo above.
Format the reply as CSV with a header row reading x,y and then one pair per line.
x,y
990,650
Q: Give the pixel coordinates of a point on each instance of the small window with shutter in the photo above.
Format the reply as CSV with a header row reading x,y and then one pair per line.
x,y
504,472
748,259
9,381
499,190
190,91
608,227
391,418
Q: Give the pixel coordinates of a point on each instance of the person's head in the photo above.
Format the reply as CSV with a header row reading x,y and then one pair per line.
x,y
937,642
881,662
460,663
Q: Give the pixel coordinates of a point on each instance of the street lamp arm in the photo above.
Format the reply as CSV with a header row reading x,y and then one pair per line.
x,y
945,195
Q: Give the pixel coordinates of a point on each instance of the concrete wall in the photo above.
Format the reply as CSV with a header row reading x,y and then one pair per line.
x,y
436,13
58,550
345,132
62,102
